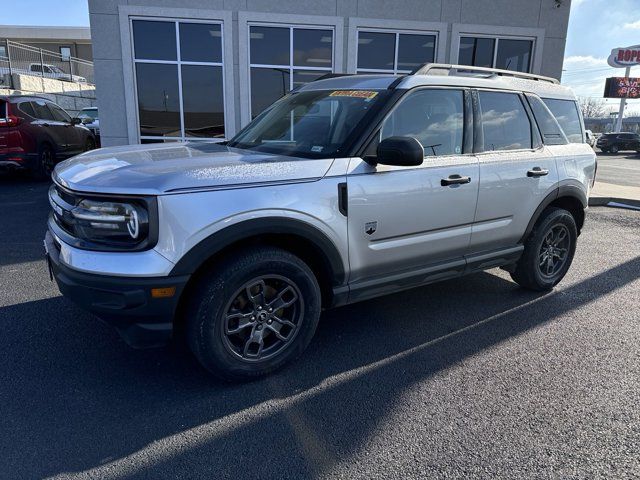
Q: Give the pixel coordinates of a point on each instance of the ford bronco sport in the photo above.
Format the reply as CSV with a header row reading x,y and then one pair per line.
x,y
347,188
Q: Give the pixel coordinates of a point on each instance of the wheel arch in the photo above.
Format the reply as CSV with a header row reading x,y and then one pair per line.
x,y
298,237
570,197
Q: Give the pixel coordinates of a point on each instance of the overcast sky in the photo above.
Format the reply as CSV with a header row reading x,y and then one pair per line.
x,y
595,27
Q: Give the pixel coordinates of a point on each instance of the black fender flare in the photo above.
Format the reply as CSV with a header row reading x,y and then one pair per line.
x,y
247,229
574,190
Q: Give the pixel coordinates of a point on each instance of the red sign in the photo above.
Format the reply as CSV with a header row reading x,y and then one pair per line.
x,y
622,87
625,57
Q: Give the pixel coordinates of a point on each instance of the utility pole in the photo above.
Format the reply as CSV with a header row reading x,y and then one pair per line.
x,y
623,102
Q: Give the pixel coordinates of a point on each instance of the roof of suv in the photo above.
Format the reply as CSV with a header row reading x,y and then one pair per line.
x,y
472,77
10,98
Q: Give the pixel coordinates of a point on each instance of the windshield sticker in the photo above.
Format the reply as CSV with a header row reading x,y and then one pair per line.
x,y
317,148
366,94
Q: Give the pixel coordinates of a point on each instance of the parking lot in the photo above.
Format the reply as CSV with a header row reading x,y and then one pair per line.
x,y
470,378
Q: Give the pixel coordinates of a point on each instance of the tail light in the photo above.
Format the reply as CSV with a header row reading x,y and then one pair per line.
x,y
10,120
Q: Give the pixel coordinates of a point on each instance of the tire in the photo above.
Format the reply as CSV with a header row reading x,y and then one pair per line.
x,y
222,318
529,273
604,150
90,144
45,163
614,149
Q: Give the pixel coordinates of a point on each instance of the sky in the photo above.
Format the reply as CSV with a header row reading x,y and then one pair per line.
x,y
595,27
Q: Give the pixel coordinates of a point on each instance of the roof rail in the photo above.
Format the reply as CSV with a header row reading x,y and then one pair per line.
x,y
427,68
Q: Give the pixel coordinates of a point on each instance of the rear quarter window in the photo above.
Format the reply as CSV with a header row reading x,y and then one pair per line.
x,y
568,116
3,109
551,132
27,108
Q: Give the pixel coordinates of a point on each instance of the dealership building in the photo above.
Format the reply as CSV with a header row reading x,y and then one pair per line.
x,y
170,70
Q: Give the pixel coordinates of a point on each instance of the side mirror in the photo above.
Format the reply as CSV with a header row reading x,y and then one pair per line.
x,y
76,121
400,151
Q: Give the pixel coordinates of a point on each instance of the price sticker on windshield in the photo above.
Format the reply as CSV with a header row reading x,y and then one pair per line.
x,y
366,94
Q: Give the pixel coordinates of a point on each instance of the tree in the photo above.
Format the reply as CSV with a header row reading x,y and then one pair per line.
x,y
592,107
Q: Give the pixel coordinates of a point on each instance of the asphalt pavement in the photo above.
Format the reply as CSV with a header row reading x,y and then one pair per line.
x,y
469,378
620,169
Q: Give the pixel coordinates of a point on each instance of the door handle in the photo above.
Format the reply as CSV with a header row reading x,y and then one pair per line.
x,y
454,180
537,172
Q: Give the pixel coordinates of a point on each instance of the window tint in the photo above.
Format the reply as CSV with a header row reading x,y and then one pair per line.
x,y
376,50
505,123
36,68
551,132
58,113
269,45
433,117
203,102
154,40
566,113
41,110
26,107
3,109
514,54
312,48
477,52
200,42
415,50
158,101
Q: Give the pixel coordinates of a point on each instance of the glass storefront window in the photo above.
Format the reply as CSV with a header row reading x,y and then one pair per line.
x,y
505,53
179,79
282,58
393,52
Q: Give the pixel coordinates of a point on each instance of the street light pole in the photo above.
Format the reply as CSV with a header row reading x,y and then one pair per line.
x,y
623,102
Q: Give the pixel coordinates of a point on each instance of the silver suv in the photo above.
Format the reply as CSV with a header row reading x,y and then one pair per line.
x,y
348,188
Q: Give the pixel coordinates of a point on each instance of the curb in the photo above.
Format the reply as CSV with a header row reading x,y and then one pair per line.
x,y
619,202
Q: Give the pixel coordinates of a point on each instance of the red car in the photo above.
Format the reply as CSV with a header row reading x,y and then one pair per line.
x,y
35,134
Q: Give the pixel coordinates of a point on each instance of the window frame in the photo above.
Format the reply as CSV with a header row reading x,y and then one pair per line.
x,y
479,148
535,35
395,70
178,62
291,67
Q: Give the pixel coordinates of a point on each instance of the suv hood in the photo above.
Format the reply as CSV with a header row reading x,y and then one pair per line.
x,y
165,168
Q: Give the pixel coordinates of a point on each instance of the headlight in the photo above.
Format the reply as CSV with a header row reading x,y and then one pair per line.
x,y
110,221
104,223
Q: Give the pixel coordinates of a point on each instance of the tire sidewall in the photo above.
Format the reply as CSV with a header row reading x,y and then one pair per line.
x,y
557,217
209,321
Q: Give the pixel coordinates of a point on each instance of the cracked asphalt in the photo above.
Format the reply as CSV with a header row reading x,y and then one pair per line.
x,y
470,378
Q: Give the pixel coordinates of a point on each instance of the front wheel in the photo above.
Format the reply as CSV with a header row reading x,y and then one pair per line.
x,y
89,144
548,251
614,149
253,313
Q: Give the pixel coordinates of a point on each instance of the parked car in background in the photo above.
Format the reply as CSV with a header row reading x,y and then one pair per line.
x,y
35,134
346,189
89,118
590,137
53,71
618,141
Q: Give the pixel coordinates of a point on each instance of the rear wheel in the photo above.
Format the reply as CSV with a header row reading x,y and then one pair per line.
x,y
614,149
89,144
45,163
253,313
548,251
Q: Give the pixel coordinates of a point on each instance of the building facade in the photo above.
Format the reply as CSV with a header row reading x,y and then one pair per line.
x,y
65,41
169,70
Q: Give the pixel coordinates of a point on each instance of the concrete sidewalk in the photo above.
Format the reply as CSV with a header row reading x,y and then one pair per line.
x,y
619,195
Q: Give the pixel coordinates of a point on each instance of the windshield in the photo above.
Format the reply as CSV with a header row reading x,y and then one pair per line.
x,y
92,114
314,124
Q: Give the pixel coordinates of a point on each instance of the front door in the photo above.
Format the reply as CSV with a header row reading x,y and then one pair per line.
x,y
403,220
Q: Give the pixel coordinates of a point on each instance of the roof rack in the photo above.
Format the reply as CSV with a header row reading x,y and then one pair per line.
x,y
427,68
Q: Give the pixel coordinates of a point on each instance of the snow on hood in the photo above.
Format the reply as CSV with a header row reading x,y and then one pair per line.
x,y
165,167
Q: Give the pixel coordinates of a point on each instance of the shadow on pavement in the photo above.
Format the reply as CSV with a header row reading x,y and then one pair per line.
x,y
75,397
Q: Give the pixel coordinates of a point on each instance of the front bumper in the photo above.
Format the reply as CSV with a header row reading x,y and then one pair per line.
x,y
123,302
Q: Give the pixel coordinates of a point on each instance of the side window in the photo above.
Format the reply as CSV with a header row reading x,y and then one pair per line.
x,y
27,108
551,132
58,113
566,112
434,117
41,111
505,123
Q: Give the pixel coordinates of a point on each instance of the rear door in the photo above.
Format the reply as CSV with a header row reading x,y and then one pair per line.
x,y
4,129
516,171
403,219
72,136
